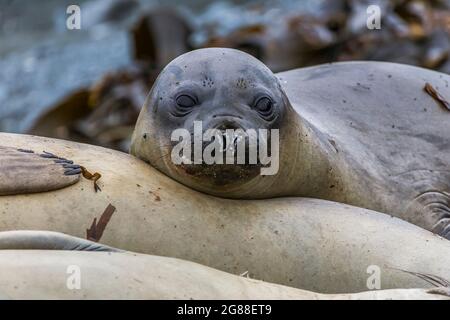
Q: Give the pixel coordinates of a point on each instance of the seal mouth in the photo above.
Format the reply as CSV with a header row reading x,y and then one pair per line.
x,y
227,150
221,174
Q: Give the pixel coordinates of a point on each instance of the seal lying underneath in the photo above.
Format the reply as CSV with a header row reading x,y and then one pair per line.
x,y
311,244
30,271
362,133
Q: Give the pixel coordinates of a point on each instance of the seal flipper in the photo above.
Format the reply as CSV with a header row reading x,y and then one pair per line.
x,y
48,240
24,171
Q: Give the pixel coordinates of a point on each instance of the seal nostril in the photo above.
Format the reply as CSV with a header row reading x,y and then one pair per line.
x,y
227,115
224,125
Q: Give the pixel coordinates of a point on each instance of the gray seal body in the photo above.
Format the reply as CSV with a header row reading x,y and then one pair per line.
x,y
362,133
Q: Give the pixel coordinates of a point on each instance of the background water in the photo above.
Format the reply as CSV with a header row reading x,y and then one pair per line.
x,y
42,63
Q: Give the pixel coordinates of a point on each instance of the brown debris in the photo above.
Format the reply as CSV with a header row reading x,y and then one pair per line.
x,y
415,32
160,36
157,197
94,177
58,120
95,232
437,96
106,112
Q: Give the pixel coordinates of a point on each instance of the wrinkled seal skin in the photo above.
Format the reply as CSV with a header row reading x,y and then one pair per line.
x,y
362,133
314,244
38,274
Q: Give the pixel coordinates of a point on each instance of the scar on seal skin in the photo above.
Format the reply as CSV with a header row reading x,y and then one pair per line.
x,y
24,171
95,232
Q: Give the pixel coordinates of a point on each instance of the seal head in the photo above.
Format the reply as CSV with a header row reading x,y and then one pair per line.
x,y
213,89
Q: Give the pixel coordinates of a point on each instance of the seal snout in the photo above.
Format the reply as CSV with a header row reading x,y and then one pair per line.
x,y
226,124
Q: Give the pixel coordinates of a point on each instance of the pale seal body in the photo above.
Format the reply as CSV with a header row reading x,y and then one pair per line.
x,y
363,133
36,271
305,243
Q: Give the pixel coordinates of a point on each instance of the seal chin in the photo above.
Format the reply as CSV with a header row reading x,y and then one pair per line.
x,y
219,175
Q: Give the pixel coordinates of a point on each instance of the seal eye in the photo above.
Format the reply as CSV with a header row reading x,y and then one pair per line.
x,y
185,101
264,106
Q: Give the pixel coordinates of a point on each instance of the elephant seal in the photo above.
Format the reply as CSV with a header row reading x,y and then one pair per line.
x,y
362,133
51,274
312,244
